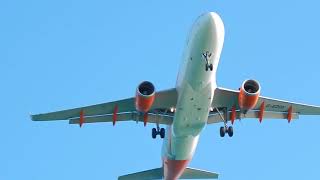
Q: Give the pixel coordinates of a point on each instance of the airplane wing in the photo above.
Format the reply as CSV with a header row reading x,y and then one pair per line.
x,y
122,110
225,99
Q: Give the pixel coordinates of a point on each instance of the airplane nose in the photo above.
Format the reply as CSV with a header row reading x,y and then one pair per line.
x,y
209,29
208,25
210,16
211,21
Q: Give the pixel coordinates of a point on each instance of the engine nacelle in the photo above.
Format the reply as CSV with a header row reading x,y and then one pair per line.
x,y
249,95
145,95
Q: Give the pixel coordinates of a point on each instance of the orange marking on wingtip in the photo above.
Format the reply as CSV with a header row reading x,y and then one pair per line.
x,y
115,115
81,121
261,112
290,110
233,114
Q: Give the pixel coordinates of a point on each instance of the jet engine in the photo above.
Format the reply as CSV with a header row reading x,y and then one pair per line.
x,y
145,95
249,95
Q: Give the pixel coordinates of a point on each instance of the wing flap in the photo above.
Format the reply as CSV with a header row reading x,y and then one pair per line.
x,y
216,117
130,116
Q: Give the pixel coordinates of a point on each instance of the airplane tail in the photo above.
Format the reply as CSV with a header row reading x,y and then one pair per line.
x,y
189,173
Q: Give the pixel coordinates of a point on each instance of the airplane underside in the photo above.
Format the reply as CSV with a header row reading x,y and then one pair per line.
x,y
195,102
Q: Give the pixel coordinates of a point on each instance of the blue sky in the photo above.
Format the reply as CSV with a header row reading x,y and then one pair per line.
x,y
62,54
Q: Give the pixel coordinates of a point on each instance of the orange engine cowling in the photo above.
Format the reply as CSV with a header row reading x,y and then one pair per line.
x,y
249,95
145,95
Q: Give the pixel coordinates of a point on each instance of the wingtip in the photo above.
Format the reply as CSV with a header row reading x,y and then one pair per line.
x,y
31,117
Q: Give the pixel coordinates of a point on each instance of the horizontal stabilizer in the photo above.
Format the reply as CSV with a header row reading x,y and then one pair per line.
x,y
189,173
144,175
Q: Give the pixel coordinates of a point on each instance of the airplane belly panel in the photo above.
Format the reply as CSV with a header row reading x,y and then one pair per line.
x,y
192,110
190,118
196,84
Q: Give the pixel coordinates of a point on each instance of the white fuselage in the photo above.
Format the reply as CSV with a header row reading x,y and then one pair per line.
x,y
195,87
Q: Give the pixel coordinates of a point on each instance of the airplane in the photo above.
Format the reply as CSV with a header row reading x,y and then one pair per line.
x,y
195,102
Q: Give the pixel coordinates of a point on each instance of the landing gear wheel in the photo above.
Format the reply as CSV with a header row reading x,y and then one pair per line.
x,y
230,131
154,133
222,131
211,67
162,133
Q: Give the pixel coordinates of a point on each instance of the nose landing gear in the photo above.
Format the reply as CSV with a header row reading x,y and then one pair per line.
x,y
209,66
206,56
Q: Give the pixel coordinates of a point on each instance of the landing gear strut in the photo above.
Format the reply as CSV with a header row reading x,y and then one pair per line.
x,y
158,131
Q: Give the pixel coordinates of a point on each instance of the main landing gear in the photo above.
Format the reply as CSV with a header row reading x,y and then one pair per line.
x,y
226,129
206,57
158,130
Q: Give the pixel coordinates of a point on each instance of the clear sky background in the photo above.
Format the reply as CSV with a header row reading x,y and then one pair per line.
x,y
63,54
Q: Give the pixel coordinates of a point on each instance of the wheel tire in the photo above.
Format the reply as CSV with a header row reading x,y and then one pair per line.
x,y
222,132
230,131
162,133
207,67
154,133
211,67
